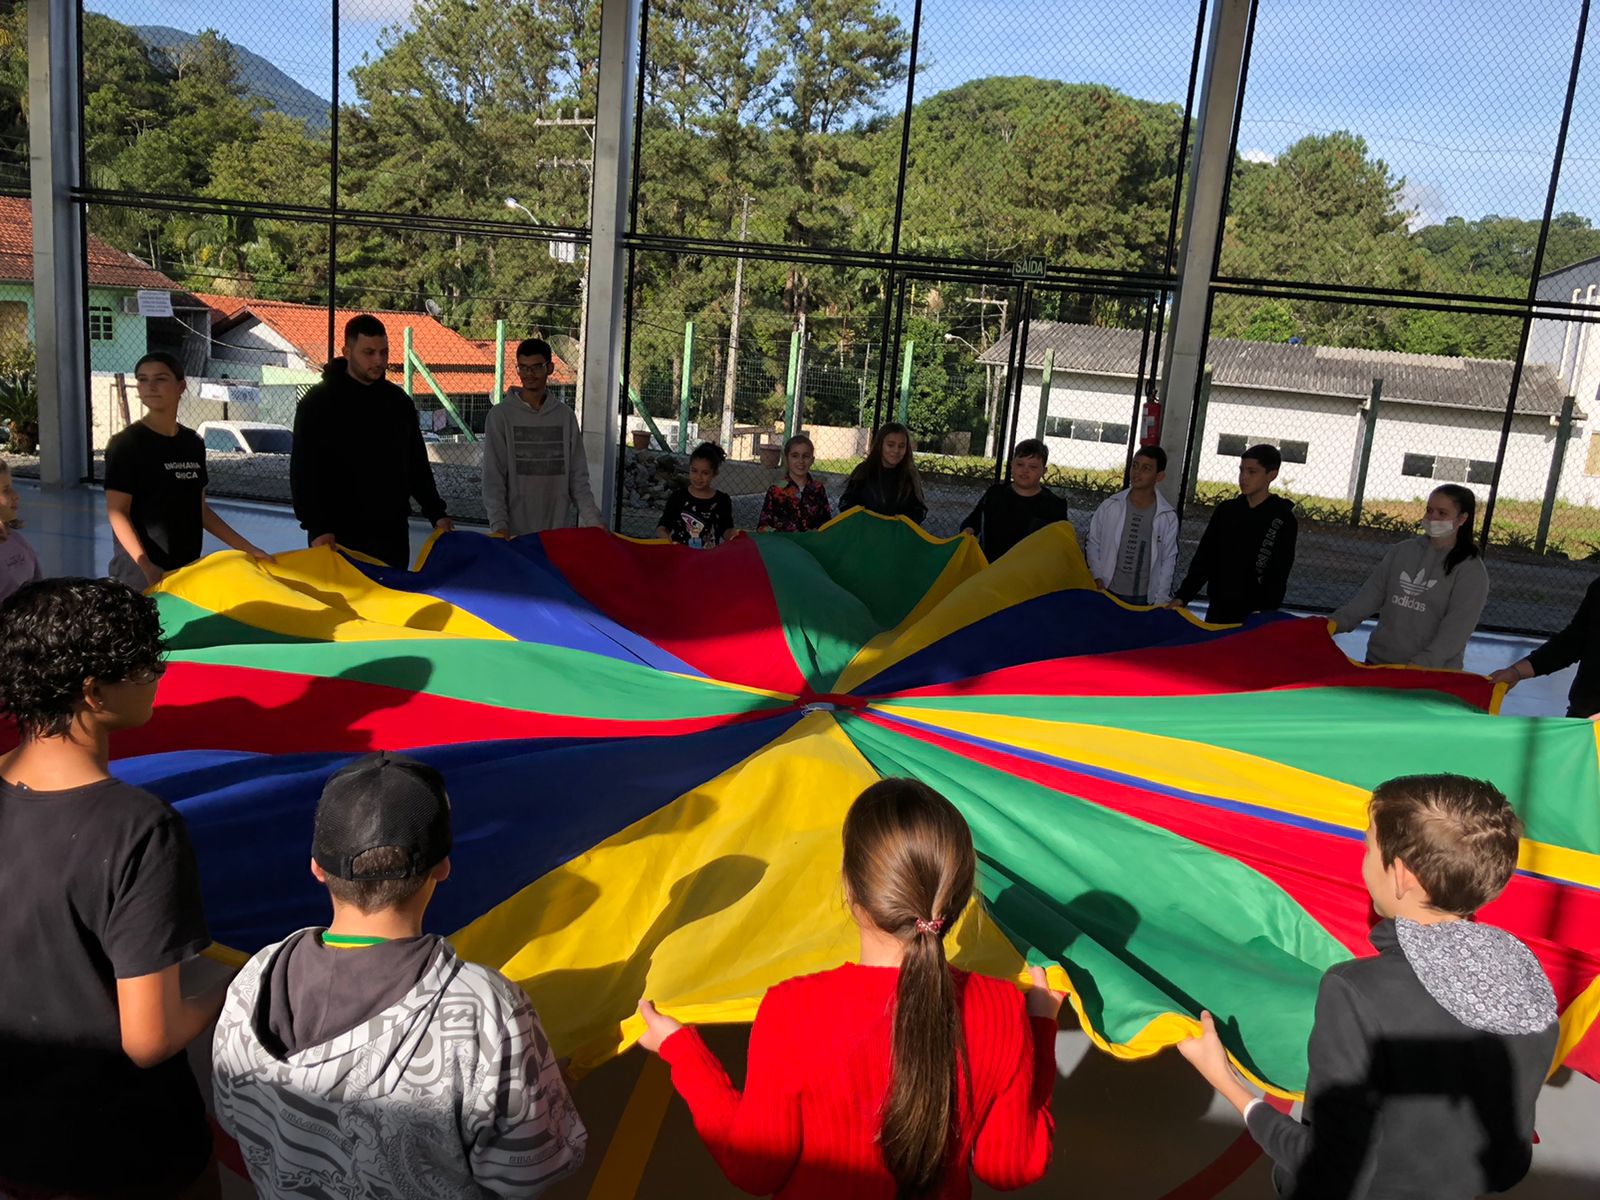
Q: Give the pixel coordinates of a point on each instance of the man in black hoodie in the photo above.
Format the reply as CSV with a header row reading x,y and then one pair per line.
x,y
358,458
1245,554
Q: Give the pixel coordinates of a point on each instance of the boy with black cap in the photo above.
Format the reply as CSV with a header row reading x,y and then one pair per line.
x,y
366,1058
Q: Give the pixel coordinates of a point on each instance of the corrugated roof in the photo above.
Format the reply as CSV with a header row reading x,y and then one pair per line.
x,y
1475,383
108,266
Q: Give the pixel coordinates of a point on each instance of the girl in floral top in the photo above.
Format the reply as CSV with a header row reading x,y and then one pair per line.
x,y
798,502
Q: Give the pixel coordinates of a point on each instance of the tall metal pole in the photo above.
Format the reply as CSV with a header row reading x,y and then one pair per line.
x,y
1210,167
58,243
730,385
606,287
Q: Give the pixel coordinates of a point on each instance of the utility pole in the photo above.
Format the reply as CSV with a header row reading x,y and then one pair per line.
x,y
730,383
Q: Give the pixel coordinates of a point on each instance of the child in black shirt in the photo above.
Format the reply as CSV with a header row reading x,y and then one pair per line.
x,y
156,485
886,481
698,515
99,904
1426,1060
1011,511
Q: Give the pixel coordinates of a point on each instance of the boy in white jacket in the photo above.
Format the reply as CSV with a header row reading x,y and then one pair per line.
x,y
1133,536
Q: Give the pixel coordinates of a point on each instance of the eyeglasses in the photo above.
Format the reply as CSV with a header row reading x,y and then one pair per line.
x,y
533,369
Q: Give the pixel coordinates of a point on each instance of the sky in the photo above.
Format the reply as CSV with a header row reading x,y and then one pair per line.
x,y
1462,99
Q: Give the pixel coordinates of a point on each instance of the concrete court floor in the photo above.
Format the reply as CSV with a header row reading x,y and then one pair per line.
x,y
1146,1130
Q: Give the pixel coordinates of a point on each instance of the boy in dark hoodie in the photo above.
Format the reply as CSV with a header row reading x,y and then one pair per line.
x,y
366,1059
358,459
1247,550
1425,1061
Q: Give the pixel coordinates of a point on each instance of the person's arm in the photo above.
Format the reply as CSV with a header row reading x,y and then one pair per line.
x,y
1091,552
226,534
1467,599
974,522
754,1136
1566,647
308,472
916,508
578,479
496,498
523,1131
671,515
157,1020
1199,572
852,495
1368,600
1012,1147
419,474
1164,556
724,517
1330,1154
765,520
119,511
156,921
1275,578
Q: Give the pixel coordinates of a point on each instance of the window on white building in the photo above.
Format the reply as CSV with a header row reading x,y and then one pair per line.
x,y
102,324
1081,430
1233,445
1057,427
1112,432
1447,470
1591,464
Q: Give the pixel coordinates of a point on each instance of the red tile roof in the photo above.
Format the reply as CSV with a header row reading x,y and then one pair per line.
x,y
459,366
562,373
108,266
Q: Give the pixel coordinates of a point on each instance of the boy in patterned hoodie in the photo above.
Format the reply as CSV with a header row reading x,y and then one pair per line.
x,y
1426,1060
366,1059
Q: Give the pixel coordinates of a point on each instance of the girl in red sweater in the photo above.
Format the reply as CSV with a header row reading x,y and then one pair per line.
x,y
897,1077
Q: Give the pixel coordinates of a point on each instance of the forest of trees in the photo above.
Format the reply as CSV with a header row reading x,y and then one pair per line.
x,y
787,113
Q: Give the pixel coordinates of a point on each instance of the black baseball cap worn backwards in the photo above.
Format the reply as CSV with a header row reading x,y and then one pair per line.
x,y
382,800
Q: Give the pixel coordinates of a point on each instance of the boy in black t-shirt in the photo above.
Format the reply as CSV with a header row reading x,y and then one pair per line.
x,y
99,904
698,515
1011,511
156,485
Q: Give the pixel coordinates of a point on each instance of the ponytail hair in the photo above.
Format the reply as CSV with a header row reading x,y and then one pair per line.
x,y
909,869
1466,545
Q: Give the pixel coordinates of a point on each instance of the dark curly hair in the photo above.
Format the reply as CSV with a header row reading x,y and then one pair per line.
x,y
57,633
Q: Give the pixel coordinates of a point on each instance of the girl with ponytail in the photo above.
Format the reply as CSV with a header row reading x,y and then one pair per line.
x,y
1428,591
895,1078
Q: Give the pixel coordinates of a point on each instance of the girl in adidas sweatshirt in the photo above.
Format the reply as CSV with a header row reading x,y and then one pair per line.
x,y
1428,592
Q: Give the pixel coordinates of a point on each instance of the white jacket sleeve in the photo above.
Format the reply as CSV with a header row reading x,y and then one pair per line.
x,y
495,467
1101,552
1164,552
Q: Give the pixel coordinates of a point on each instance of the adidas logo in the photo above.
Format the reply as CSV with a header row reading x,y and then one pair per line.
x,y
1416,586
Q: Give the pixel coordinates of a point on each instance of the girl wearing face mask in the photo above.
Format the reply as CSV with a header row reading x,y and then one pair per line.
x,y
1428,591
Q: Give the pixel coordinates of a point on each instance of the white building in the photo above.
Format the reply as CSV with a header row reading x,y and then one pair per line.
x,y
1571,349
1439,419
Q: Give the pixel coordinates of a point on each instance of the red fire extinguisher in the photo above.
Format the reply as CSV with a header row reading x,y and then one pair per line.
x,y
1150,425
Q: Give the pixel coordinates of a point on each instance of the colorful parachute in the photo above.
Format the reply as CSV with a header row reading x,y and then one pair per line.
x,y
650,751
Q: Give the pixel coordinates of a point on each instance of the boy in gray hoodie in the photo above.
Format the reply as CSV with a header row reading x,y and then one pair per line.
x,y
535,471
1428,592
366,1059
1426,1060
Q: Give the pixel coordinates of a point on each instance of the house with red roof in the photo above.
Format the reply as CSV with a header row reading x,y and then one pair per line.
x,y
118,335
275,342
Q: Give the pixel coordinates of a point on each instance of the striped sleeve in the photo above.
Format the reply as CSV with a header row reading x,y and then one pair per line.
x,y
523,1129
